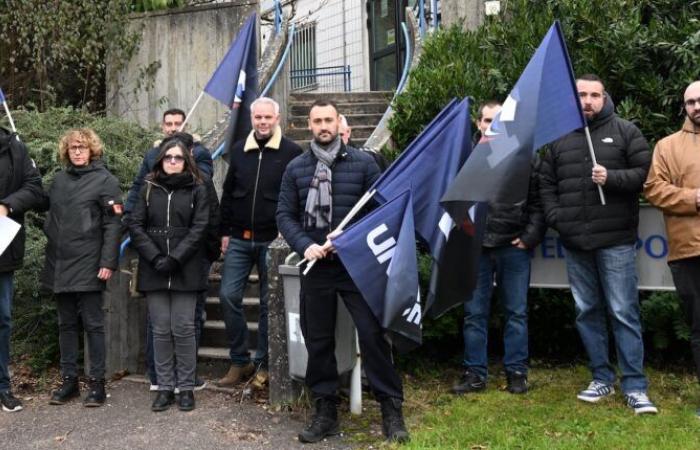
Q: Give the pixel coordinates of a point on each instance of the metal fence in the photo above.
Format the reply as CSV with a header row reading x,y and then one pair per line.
x,y
321,79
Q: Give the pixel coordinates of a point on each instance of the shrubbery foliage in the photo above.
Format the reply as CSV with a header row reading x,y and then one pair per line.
x,y
35,332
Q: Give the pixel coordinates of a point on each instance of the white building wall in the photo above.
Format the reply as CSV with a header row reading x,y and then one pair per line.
x,y
341,35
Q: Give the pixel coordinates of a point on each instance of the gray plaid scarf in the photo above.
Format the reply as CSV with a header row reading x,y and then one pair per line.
x,y
319,202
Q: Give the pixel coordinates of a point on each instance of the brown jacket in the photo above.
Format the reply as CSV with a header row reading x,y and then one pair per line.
x,y
672,185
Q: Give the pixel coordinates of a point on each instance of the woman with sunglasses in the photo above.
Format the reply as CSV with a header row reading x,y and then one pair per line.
x,y
167,228
83,228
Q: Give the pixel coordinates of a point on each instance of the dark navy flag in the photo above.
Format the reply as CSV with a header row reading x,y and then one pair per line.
x,y
235,81
542,107
427,167
2,96
379,253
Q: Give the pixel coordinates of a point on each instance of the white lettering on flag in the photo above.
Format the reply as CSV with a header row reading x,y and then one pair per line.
x,y
445,224
383,250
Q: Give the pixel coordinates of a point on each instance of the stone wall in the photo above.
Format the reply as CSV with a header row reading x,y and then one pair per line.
x,y
468,14
188,43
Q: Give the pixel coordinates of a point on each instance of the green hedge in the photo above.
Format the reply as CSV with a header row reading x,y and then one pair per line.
x,y
35,331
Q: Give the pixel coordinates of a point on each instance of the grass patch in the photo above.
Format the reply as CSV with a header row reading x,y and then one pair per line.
x,y
548,417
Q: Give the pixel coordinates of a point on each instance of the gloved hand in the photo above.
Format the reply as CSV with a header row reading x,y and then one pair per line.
x,y
164,265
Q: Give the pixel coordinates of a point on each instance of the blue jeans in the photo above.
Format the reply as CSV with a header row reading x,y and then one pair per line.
x,y
6,293
240,257
511,266
604,283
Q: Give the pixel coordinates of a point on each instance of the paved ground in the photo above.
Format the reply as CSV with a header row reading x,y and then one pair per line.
x,y
220,420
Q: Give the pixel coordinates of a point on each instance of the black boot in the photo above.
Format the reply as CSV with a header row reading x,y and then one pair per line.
x,y
324,422
96,395
392,421
186,401
163,401
68,390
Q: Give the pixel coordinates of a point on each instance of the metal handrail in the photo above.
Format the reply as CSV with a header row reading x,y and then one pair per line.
x,y
406,61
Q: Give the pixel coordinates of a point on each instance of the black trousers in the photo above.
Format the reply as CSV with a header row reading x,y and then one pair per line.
x,y
319,291
686,277
88,307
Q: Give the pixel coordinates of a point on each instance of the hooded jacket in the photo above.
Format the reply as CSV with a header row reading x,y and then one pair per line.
x,y
20,191
570,199
672,185
83,227
170,219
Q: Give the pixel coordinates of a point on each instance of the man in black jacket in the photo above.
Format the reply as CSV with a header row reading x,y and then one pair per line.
x,y
511,231
248,206
600,239
318,190
20,191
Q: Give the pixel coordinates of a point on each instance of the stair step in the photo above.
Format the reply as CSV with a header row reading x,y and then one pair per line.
x,y
247,301
341,97
218,353
220,325
302,109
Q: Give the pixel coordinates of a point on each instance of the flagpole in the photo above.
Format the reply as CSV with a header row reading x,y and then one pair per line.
x,y
353,212
356,381
9,117
590,148
187,117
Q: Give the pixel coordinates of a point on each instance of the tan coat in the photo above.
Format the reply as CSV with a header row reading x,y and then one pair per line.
x,y
672,185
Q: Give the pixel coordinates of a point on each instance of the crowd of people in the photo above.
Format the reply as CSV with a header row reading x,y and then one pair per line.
x,y
178,228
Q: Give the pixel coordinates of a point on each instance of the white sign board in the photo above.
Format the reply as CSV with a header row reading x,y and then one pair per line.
x,y
549,266
8,230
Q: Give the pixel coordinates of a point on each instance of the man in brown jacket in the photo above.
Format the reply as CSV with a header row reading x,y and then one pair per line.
x,y
673,185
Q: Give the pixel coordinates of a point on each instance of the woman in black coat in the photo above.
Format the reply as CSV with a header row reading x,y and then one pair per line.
x,y
83,230
167,228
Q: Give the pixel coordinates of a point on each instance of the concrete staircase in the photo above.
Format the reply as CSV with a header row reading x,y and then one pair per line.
x,y
363,110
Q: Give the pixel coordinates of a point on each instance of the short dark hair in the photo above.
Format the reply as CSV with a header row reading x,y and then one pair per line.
x,y
175,112
321,102
181,136
489,104
590,77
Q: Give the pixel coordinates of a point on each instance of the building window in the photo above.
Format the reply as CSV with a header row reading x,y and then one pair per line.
x,y
303,58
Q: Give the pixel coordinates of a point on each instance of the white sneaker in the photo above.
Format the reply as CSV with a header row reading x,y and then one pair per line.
x,y
640,403
154,387
595,392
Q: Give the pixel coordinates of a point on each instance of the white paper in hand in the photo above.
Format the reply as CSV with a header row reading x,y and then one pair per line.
x,y
8,231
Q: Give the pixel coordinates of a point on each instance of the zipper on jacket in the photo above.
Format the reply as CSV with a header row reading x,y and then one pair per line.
x,y
255,194
167,239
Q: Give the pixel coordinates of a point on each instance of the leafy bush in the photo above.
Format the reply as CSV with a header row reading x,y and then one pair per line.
x,y
646,51
35,331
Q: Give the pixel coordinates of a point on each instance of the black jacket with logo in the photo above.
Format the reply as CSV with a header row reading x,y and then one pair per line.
x,y
252,186
570,199
83,227
20,191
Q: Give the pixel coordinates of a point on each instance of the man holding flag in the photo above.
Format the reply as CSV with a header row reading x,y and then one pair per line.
x,y
511,230
600,238
319,188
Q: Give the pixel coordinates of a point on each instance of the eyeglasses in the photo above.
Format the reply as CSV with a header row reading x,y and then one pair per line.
x,y
75,149
692,102
174,158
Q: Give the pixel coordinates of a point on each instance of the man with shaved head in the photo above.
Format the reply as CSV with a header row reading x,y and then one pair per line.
x,y
673,185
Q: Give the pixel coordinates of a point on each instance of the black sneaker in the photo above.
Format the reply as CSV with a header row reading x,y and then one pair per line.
x,y
163,401
517,382
69,389
470,382
9,402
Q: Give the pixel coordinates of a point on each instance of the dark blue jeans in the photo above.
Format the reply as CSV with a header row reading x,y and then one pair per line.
x,y
604,284
511,267
240,258
6,293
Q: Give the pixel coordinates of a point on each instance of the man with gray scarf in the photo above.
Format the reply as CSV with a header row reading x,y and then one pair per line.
x,y
318,190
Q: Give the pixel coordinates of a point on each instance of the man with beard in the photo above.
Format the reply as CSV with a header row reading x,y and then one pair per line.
x,y
600,239
318,190
673,185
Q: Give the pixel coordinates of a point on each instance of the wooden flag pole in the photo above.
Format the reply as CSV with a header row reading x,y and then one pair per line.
x,y
353,212
9,117
590,148
187,117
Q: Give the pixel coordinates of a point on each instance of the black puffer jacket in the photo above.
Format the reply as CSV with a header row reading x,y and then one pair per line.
x,y
523,220
83,228
170,219
20,191
569,196
354,172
